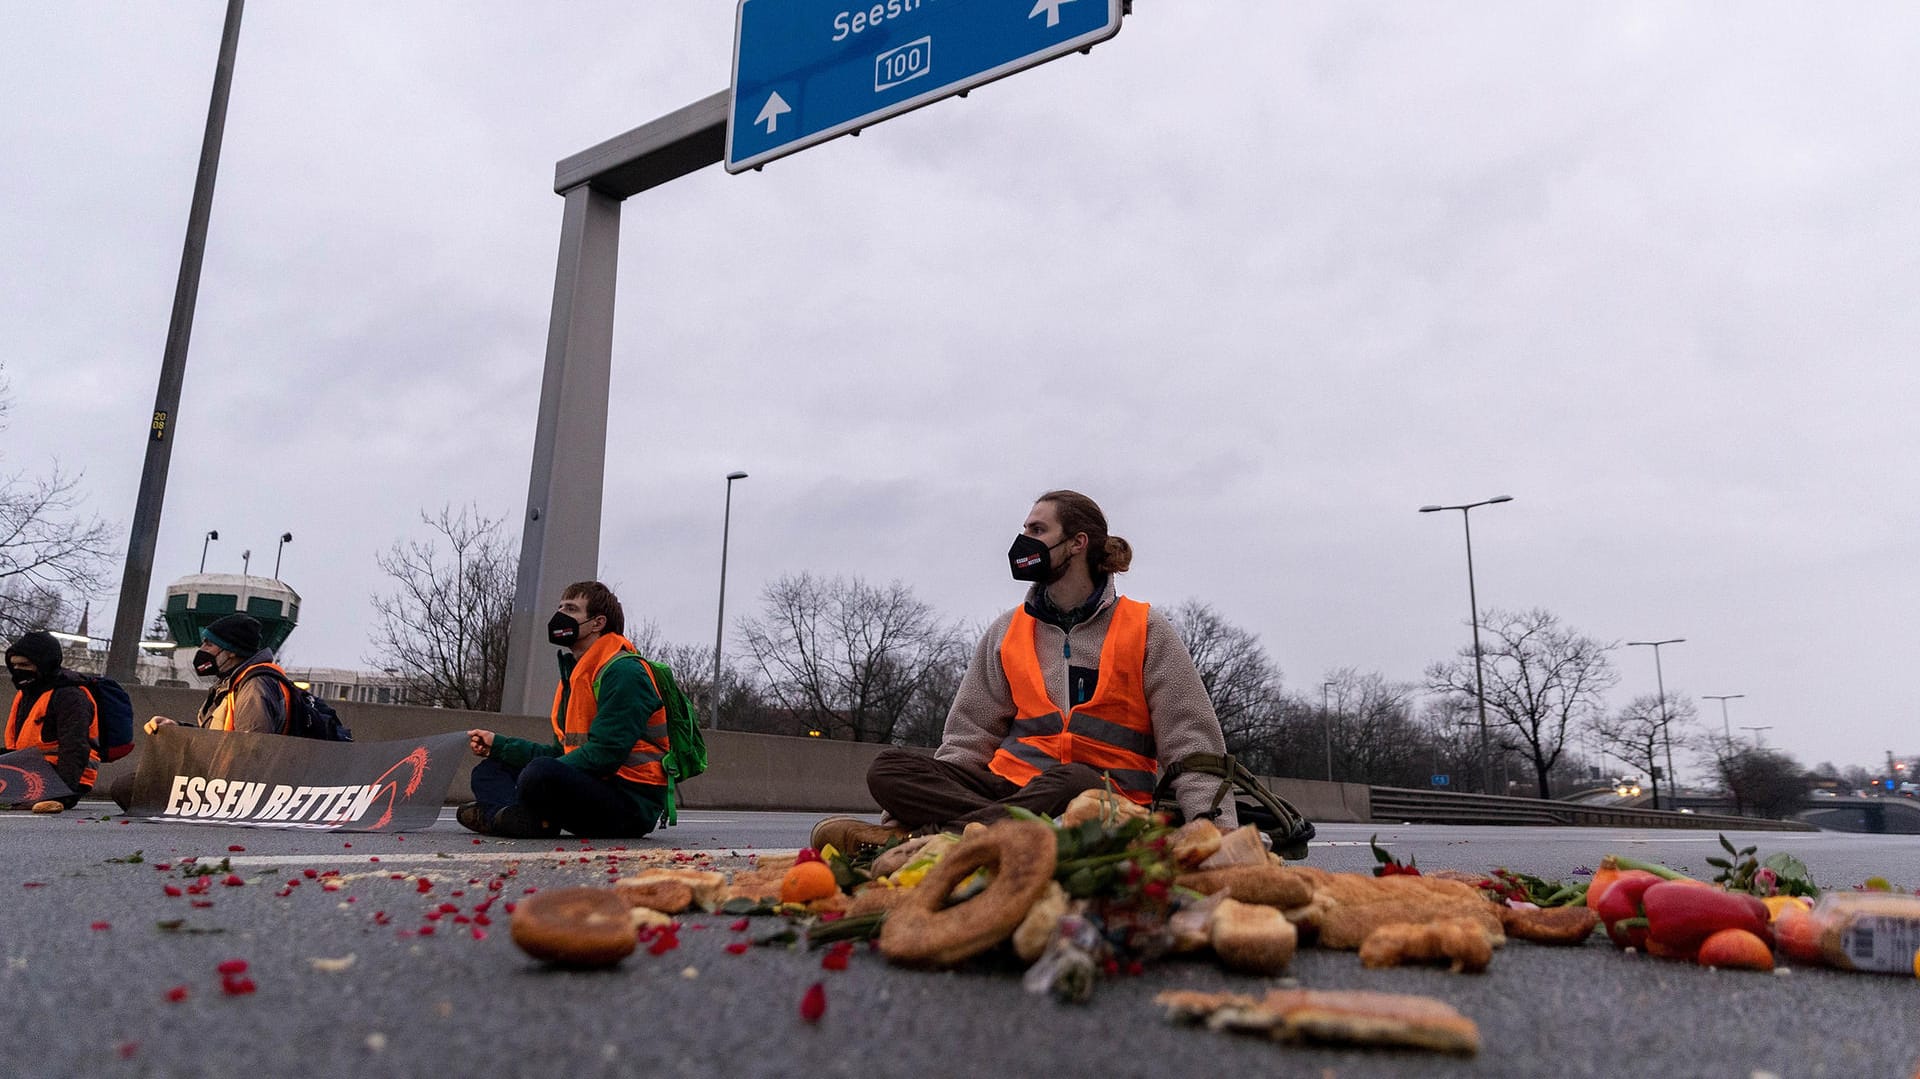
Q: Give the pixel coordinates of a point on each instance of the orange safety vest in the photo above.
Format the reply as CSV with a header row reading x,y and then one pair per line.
x,y
581,692
37,716
221,718
1111,733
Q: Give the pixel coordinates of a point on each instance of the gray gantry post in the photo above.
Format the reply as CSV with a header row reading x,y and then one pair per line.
x,y
560,538
137,577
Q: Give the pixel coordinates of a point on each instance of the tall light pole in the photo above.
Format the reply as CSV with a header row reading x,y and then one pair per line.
x,y
1326,722
720,626
1473,603
137,576
1666,723
1723,698
285,538
1758,742
211,535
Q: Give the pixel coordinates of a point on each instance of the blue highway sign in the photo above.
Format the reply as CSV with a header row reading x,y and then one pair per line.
x,y
805,71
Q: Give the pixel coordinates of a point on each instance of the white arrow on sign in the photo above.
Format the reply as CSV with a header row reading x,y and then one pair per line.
x,y
1051,7
775,106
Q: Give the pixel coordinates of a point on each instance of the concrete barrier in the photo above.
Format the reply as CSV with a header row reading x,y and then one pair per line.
x,y
746,771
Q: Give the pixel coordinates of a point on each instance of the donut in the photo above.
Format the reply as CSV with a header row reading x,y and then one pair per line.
x,y
574,927
924,932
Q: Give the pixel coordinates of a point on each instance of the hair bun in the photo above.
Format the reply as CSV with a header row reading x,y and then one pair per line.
x,y
1117,555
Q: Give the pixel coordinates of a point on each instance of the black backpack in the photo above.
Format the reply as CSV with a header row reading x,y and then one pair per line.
x,y
113,708
307,715
1283,825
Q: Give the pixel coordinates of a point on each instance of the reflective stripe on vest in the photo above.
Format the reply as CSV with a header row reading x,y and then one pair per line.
x,y
222,717
1111,733
36,718
581,692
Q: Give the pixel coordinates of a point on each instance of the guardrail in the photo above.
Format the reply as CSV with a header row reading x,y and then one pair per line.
x,y
1433,807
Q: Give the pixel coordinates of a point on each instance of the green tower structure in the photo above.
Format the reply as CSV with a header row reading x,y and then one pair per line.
x,y
196,602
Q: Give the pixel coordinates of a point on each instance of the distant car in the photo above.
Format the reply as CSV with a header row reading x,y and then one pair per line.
x,y
1822,792
1627,790
1909,790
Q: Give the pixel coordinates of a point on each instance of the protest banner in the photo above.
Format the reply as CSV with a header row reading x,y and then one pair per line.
x,y
26,777
274,781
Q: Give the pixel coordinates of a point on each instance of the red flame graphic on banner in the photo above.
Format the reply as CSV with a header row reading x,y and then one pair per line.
x,y
417,761
36,787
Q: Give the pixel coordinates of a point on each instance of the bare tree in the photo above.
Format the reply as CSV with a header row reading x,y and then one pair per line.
x,y
1771,782
443,629
1375,739
1242,681
51,553
1542,680
1638,734
848,658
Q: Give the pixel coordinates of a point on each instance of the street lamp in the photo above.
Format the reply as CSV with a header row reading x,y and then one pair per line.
x,y
1666,728
1758,742
1473,602
1723,698
1326,722
720,626
285,538
210,537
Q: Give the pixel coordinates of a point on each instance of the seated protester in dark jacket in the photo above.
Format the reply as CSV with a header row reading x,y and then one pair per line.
x,y
52,714
245,695
603,773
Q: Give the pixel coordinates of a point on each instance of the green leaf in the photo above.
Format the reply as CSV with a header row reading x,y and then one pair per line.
x,y
1721,862
1727,845
131,859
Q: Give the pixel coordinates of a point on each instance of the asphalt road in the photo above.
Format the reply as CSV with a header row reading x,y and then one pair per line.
x,y
93,947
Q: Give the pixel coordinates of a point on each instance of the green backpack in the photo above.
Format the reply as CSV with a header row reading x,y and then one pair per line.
x,y
687,750
687,756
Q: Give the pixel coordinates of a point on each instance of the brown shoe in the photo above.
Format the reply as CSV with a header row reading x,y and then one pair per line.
x,y
849,834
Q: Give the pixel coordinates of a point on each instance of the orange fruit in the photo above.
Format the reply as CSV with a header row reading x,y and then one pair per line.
x,y
1735,948
1798,934
806,882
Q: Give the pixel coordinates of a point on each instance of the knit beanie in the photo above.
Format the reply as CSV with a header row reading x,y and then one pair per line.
x,y
237,633
40,647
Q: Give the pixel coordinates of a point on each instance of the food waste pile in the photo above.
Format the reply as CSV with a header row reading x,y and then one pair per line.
x,y
1108,889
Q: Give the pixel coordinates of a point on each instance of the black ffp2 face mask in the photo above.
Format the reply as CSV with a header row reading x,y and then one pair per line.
x,y
23,679
205,663
1032,560
563,629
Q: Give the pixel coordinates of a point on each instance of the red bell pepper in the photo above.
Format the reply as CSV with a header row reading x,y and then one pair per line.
x,y
1619,908
1680,916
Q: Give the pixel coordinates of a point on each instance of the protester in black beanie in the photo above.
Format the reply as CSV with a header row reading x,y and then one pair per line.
x,y
52,715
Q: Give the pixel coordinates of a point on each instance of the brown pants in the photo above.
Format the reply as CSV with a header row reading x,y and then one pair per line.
x,y
920,792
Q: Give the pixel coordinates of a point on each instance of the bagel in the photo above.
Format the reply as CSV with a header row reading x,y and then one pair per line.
x,y
924,932
574,927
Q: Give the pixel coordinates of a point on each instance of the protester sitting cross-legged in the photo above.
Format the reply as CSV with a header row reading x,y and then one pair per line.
x,y
250,693
603,773
55,715
1077,689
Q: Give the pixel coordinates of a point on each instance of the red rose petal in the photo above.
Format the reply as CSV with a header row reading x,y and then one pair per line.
x,y
739,926
236,848
236,985
813,1004
233,880
203,903
738,947
174,891
479,933
309,874
424,886
177,994
97,926
836,957
233,966
127,1049
426,931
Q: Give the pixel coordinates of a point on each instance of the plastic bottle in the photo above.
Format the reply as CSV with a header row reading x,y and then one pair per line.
x,y
1870,931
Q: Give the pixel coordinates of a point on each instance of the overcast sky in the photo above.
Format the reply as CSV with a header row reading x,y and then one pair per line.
x,y
1261,278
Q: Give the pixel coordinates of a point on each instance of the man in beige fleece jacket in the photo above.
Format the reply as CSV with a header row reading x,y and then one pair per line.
x,y
1076,689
